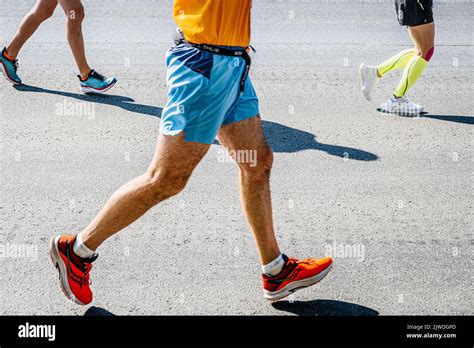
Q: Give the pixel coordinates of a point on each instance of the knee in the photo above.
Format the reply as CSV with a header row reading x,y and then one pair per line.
x,y
42,13
258,164
76,15
165,184
426,52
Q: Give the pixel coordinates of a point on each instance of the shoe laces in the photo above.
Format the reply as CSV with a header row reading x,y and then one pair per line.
x,y
409,104
292,261
405,99
98,75
86,279
86,268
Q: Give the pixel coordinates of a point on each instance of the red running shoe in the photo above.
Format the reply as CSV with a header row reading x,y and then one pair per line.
x,y
295,275
73,270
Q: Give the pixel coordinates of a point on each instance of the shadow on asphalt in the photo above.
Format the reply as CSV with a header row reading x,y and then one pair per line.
x,y
125,103
98,312
451,118
324,308
282,138
286,139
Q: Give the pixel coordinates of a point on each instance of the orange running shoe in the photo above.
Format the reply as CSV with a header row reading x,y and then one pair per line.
x,y
73,270
295,275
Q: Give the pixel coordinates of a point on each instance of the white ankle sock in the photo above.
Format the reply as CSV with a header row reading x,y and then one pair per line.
x,y
273,268
81,250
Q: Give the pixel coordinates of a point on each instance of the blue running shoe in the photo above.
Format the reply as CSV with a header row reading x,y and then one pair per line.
x,y
9,68
97,83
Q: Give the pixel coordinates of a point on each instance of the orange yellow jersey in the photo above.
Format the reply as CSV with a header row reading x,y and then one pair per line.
x,y
214,22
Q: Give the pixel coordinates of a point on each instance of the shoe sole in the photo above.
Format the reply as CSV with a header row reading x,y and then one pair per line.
x,y
62,270
400,113
87,90
4,71
294,286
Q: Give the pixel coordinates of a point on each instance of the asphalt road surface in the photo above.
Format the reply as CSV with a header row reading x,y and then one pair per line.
x,y
390,197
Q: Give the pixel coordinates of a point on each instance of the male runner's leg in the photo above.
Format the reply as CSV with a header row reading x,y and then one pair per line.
x,y
189,124
42,10
167,175
423,38
246,137
281,275
91,81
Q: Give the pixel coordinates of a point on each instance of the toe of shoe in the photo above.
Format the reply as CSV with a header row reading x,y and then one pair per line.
x,y
111,80
327,261
83,297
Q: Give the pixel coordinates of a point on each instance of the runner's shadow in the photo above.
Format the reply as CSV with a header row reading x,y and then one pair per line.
x,y
286,139
451,118
98,312
324,308
125,103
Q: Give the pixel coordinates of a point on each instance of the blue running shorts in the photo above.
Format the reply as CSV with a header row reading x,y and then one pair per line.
x,y
204,93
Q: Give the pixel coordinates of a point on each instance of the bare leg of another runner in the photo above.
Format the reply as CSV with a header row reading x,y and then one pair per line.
x,y
423,36
74,17
42,10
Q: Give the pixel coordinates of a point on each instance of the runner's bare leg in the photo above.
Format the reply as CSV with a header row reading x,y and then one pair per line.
x,y
42,10
247,136
423,37
167,175
74,17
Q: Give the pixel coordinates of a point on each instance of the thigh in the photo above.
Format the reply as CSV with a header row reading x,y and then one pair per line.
x,y
176,158
70,5
246,142
46,4
423,35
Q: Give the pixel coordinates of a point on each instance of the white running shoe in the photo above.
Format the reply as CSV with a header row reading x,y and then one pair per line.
x,y
368,79
401,106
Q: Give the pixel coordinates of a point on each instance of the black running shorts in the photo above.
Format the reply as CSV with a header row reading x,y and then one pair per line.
x,y
414,12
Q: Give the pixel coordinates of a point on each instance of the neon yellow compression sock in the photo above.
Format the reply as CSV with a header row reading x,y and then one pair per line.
x,y
398,61
411,73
